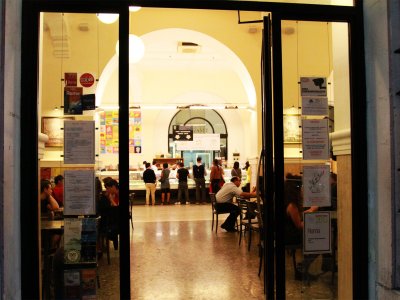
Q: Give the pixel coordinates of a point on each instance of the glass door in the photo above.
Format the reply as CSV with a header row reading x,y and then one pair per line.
x,y
306,154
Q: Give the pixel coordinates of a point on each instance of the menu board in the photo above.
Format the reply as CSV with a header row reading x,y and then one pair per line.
x,y
79,193
316,185
79,141
317,233
207,142
315,139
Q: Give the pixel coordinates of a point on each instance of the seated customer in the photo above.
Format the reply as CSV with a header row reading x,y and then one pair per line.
x,y
47,202
112,191
58,190
224,201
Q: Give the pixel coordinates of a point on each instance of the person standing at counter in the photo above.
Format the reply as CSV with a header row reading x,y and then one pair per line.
x,y
199,171
236,170
165,186
182,174
216,176
149,178
246,187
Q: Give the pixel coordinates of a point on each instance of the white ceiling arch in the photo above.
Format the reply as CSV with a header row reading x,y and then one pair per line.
x,y
165,74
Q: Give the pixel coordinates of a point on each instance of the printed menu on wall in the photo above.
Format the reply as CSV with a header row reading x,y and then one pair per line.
x,y
315,139
317,233
79,141
316,185
79,193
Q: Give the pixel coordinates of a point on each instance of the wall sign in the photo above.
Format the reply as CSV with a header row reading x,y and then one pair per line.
x,y
182,133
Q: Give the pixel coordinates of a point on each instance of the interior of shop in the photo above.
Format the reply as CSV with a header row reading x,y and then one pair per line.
x,y
198,70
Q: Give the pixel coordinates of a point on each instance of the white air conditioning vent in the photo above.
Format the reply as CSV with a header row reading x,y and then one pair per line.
x,y
188,47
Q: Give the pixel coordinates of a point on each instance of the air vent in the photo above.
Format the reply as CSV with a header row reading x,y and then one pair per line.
x,y
188,47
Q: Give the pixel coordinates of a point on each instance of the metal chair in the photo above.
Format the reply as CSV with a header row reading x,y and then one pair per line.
x,y
131,197
215,212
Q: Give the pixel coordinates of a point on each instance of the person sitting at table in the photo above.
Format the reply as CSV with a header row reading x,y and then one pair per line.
x,y
294,224
224,203
47,202
58,190
112,192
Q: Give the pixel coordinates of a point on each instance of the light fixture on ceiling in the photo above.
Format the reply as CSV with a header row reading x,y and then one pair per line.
x,y
108,18
136,48
134,8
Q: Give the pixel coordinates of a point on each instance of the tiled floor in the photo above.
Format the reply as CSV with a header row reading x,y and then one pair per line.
x,y
175,255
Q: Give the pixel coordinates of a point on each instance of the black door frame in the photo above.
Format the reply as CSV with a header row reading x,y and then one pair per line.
x,y
280,11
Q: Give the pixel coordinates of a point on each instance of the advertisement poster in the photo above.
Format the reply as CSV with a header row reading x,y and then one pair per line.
x,y
315,139
79,192
314,106
72,240
109,132
72,100
316,186
317,233
79,141
313,86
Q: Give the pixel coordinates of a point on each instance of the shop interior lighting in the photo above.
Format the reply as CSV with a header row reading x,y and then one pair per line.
x,y
136,48
134,8
108,18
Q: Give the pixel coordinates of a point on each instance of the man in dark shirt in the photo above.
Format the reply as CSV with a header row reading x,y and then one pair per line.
x,y
199,172
182,174
149,178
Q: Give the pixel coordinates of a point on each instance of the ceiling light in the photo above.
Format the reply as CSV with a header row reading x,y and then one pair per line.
x,y
108,18
136,48
134,8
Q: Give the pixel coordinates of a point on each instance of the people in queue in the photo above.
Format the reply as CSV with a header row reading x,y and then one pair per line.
x,y
58,190
199,171
246,187
165,186
224,201
236,171
216,176
47,202
182,174
154,166
149,178
294,225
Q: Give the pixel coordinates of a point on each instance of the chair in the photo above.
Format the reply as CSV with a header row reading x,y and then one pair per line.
x,y
247,223
215,212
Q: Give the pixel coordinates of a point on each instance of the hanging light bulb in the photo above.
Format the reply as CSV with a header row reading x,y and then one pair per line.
x,y
108,18
136,48
134,8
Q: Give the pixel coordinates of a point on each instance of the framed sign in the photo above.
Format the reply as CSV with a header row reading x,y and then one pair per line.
x,y
53,128
292,128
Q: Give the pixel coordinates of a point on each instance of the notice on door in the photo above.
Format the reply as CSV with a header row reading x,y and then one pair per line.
x,y
316,185
314,106
315,139
79,192
317,233
79,142
313,86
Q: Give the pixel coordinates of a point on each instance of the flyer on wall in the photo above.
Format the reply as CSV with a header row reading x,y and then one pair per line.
x,y
79,192
317,233
315,139
316,186
79,141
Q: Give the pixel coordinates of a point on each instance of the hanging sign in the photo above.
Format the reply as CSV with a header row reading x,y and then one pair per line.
x,y
207,142
313,86
317,233
86,80
182,133
316,187
79,192
79,142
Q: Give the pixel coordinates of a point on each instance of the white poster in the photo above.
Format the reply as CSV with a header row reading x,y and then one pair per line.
x,y
79,141
313,86
317,233
316,187
200,142
314,106
315,139
79,192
